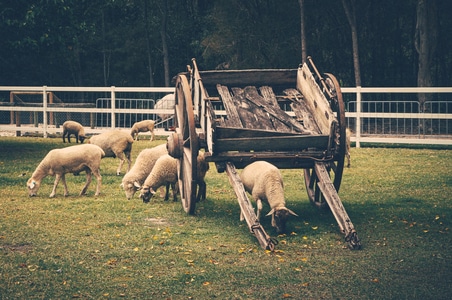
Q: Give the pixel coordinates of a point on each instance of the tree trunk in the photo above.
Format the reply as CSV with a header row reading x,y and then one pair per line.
x,y
165,43
148,43
426,41
302,32
350,12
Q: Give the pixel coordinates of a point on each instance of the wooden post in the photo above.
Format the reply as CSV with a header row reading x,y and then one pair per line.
x,y
334,202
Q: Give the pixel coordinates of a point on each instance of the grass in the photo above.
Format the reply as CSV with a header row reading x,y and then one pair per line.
x,y
108,248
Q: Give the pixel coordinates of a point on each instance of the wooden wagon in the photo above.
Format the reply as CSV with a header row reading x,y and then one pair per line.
x,y
308,134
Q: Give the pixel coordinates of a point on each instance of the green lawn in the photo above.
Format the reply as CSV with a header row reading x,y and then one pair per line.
x,y
106,247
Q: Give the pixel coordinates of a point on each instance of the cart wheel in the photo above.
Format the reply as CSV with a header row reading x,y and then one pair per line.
x,y
183,144
336,166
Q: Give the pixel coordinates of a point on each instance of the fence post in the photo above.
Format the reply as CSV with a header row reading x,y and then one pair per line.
x,y
44,110
113,107
358,116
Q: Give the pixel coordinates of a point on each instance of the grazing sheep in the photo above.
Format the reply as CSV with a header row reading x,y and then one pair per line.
x,y
348,133
264,182
164,172
143,126
144,163
75,128
115,143
74,159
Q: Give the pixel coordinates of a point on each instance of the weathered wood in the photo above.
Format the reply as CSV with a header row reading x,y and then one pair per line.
x,y
277,143
247,209
301,110
334,202
257,77
253,96
314,98
233,118
222,132
251,115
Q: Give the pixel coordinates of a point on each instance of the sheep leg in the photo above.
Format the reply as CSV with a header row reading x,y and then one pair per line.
x,y
174,189
167,187
88,181
259,208
63,179
99,181
152,134
121,162
201,191
76,138
55,184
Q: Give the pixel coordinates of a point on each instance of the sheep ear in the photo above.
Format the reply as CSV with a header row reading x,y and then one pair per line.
x,y
270,213
292,213
136,184
32,184
121,185
151,190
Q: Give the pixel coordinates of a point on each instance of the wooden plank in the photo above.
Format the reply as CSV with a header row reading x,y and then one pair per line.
x,y
250,114
253,96
315,99
301,111
277,143
232,132
334,202
230,107
247,210
257,77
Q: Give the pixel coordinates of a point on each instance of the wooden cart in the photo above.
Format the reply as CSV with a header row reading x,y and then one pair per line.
x,y
310,136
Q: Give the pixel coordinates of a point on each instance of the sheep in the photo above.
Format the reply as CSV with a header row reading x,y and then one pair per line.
x,y
144,163
75,128
143,126
348,133
73,159
115,143
264,182
164,172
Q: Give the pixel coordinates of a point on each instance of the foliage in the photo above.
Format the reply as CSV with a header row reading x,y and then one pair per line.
x,y
103,43
108,247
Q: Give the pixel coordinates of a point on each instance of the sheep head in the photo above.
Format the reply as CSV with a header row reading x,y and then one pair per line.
x,y
279,218
33,187
146,194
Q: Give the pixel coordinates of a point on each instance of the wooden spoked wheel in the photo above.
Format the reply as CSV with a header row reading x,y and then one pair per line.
x,y
183,144
335,167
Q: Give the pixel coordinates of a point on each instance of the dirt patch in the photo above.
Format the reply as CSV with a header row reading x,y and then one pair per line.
x,y
20,248
156,221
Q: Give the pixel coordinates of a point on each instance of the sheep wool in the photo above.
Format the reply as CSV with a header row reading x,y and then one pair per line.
x,y
74,159
264,182
75,128
164,173
115,143
144,163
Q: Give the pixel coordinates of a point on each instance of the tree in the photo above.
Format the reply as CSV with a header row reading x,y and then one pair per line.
x,y
426,41
302,32
350,12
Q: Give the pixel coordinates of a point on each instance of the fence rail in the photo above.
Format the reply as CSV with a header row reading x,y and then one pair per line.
x,y
396,117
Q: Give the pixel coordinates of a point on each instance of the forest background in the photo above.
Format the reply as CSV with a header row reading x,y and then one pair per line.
x,y
147,42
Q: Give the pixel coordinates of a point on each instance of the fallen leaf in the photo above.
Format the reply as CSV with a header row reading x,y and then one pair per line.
x,y
285,296
206,283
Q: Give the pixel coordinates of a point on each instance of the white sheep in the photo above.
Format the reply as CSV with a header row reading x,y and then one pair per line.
x,y
348,133
74,159
144,163
115,143
164,172
75,128
264,182
142,126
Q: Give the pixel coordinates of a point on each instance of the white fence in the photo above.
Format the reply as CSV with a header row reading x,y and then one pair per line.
x,y
376,115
